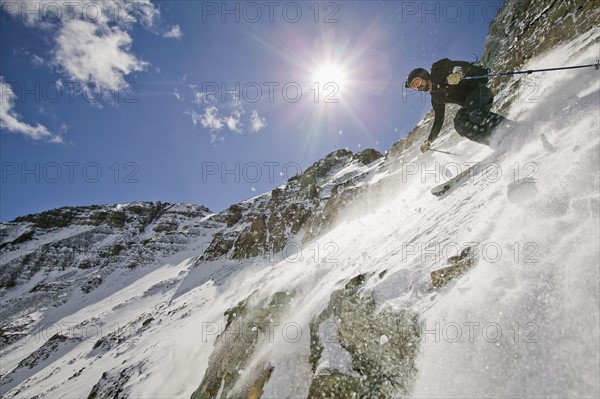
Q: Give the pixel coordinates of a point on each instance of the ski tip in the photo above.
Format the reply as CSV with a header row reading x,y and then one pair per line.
x,y
439,192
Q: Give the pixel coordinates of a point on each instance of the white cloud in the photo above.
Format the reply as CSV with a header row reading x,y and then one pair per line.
x,y
144,10
177,95
233,121
215,120
211,119
257,122
49,14
198,96
92,40
91,44
10,120
227,116
88,54
202,98
174,33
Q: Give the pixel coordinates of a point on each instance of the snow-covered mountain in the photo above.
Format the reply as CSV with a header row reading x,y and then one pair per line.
x,y
323,287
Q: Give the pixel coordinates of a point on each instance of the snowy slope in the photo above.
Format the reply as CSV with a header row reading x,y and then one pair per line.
x,y
524,321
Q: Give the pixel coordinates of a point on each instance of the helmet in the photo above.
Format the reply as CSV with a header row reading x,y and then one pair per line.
x,y
417,73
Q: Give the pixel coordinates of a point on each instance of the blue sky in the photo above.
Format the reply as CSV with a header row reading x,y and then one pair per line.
x,y
207,102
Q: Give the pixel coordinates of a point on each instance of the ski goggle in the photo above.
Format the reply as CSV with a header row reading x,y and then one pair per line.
x,y
416,83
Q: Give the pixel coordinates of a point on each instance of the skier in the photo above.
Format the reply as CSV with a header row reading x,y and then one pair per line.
x,y
474,120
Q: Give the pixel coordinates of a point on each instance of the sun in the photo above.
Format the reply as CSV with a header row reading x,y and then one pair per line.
x,y
330,73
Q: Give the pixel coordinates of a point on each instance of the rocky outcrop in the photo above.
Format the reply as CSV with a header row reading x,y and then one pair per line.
x,y
112,383
524,29
301,209
231,372
459,265
381,347
367,156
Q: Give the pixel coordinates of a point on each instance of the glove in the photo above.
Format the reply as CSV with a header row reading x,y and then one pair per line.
x,y
454,78
425,146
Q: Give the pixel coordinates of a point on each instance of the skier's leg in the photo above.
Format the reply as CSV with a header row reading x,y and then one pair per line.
x,y
475,121
464,125
487,121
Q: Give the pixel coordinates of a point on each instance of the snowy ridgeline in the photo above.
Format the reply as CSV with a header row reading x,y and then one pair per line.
x,y
355,310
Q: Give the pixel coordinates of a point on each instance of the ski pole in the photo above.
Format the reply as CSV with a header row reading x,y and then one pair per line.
x,y
444,152
596,67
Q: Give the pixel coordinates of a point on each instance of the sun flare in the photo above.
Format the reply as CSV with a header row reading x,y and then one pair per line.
x,y
330,73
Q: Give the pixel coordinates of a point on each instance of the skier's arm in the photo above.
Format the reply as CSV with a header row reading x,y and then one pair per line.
x,y
439,111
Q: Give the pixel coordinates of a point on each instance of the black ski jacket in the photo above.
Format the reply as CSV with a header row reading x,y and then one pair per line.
x,y
442,93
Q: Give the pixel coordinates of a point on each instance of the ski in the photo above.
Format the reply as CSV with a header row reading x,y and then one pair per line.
x,y
470,172
443,188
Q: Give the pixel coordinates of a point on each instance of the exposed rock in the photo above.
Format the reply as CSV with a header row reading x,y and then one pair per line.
x,y
524,29
91,283
460,264
234,214
332,385
265,225
220,246
147,322
382,371
355,281
465,255
367,156
112,382
251,241
323,168
229,370
165,227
